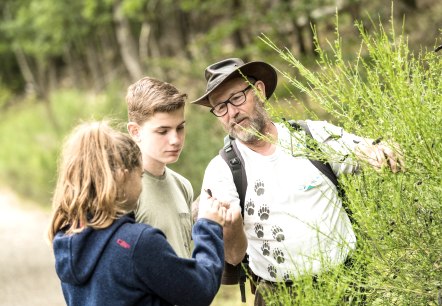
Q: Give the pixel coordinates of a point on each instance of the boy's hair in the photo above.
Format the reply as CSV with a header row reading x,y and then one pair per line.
x,y
88,191
148,96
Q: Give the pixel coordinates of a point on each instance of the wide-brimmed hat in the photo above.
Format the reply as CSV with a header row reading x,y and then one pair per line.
x,y
220,72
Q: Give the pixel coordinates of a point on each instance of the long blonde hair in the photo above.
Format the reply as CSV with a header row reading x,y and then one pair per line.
x,y
87,193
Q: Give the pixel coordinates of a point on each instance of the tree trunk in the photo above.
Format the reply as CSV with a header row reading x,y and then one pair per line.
x,y
299,30
184,29
127,43
410,3
93,64
144,40
31,84
237,37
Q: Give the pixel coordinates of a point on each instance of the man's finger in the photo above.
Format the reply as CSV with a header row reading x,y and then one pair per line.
x,y
225,204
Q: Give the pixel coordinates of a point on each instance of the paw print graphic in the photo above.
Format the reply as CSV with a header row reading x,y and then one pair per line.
x,y
259,187
277,233
287,277
272,271
250,207
259,230
279,256
265,248
263,212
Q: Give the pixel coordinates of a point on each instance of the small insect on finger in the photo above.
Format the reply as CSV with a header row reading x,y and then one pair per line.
x,y
208,191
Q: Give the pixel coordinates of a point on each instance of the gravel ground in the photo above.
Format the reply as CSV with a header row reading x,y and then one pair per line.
x,y
27,274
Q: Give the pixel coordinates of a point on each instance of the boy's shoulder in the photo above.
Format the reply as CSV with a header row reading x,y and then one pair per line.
x,y
179,179
176,175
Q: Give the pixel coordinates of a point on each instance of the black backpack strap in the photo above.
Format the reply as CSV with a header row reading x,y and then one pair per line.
x,y
322,166
232,156
234,160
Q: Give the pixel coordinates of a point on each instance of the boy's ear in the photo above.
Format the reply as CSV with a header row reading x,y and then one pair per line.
x,y
134,131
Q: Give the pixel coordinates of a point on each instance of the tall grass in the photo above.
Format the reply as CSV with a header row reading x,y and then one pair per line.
x,y
384,91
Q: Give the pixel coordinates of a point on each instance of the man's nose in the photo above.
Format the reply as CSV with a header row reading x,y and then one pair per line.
x,y
232,110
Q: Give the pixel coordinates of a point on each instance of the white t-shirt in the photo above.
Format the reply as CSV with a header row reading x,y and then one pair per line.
x,y
293,216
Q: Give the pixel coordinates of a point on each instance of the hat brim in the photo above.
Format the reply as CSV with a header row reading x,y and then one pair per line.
x,y
258,70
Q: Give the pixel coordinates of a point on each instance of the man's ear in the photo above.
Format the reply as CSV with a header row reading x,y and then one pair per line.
x,y
260,87
134,131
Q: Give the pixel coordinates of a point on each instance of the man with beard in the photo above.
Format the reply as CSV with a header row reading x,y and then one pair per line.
x,y
293,222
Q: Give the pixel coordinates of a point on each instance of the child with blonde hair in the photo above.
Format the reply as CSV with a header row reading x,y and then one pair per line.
x,y
102,256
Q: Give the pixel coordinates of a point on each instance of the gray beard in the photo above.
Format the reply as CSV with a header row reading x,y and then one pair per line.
x,y
252,133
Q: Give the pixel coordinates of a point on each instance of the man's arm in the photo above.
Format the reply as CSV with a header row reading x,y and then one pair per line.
x,y
219,180
344,145
235,241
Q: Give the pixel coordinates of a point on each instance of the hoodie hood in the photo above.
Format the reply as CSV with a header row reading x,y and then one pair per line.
x,y
77,255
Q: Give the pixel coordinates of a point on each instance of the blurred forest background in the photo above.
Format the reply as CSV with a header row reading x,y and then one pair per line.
x,y
66,61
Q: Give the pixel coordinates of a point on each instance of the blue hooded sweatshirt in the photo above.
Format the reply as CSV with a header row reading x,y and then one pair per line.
x,y
133,264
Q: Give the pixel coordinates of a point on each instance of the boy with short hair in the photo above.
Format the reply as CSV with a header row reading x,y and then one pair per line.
x,y
156,123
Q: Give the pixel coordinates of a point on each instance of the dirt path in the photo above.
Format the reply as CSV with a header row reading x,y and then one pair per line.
x,y
27,275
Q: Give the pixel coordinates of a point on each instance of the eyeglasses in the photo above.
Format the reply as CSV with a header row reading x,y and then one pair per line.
x,y
237,99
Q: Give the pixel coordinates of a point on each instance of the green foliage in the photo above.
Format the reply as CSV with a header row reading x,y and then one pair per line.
x,y
42,28
32,139
30,142
390,92
5,95
385,90
27,159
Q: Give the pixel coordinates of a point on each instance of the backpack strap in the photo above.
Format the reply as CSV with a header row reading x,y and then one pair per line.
x,y
322,166
235,274
235,162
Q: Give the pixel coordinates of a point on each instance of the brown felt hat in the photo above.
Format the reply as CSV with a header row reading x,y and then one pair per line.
x,y
218,73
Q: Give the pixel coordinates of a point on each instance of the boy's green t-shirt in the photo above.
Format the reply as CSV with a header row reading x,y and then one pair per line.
x,y
165,203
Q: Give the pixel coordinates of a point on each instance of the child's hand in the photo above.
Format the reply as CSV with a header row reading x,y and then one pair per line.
x,y
210,208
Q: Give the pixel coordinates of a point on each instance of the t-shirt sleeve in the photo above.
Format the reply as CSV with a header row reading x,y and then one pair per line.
x,y
339,145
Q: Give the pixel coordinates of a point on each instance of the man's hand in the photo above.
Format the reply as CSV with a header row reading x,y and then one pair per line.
x,y
235,241
379,155
233,215
212,209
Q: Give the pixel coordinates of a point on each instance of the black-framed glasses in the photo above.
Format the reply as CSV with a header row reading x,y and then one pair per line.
x,y
237,99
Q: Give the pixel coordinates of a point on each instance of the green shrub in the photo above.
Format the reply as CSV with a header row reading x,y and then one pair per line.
x,y
387,91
